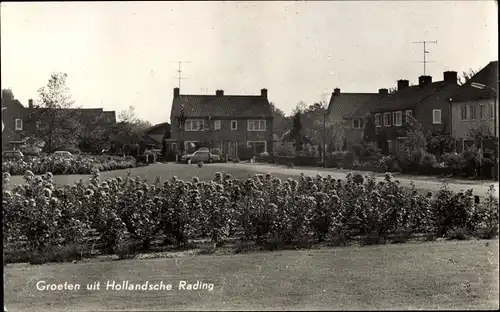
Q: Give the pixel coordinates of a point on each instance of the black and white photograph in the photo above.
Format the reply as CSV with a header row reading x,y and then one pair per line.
x,y
250,155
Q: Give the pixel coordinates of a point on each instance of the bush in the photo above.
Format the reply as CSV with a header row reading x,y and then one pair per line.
x,y
284,149
125,215
200,164
76,165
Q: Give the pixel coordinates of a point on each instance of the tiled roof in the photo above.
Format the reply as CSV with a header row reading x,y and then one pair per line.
x,y
415,95
163,125
222,106
344,105
487,76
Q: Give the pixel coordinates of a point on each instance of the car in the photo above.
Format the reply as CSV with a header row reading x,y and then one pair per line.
x,y
12,155
200,155
63,154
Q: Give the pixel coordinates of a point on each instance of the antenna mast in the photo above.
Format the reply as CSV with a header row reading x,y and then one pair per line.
x,y
179,71
426,52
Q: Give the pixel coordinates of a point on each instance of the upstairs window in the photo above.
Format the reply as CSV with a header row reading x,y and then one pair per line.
x,y
194,125
217,125
256,125
234,125
356,123
436,116
463,112
19,124
398,118
482,111
378,120
387,119
472,111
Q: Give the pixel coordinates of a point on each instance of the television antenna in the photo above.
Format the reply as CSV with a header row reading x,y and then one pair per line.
x,y
425,61
179,71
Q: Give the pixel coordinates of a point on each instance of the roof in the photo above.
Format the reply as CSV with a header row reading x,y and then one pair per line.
x,y
163,125
411,96
252,106
487,76
343,105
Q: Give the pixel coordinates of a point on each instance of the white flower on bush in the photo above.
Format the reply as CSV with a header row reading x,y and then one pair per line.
x,y
7,194
6,175
47,192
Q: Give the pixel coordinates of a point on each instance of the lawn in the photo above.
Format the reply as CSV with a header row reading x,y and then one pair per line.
x,y
437,275
164,171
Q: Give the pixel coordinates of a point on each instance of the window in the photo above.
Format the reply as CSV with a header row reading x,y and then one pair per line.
x,y
194,125
436,116
356,123
19,124
234,125
378,120
387,120
174,146
256,125
217,125
482,111
492,114
463,112
389,145
398,118
472,112
257,147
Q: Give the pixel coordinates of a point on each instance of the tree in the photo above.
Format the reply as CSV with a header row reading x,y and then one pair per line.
x,y
370,131
7,94
129,132
296,131
392,90
467,75
281,123
55,116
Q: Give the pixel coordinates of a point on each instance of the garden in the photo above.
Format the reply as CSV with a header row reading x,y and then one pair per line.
x,y
81,164
44,222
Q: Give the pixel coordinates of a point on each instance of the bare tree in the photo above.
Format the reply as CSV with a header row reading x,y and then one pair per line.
x,y
55,117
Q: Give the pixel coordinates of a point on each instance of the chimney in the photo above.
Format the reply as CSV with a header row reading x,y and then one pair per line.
x,y
219,92
336,91
383,92
402,83
263,93
424,80
450,77
30,103
176,92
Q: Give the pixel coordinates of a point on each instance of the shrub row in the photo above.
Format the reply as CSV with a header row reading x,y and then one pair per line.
x,y
57,165
48,217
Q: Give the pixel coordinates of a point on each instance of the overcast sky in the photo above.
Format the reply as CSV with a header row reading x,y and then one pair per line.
x,y
118,54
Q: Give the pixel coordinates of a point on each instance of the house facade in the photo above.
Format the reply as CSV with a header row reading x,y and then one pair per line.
x,y
347,108
225,122
427,103
474,108
13,119
22,122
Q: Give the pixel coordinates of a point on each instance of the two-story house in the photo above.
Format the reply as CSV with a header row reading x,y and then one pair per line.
x,y
226,121
427,103
22,122
345,108
13,121
475,106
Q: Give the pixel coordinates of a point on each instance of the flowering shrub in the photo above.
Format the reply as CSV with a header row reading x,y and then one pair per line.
x,y
57,165
39,215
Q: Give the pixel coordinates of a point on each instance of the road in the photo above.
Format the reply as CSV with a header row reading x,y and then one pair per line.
x,y
432,184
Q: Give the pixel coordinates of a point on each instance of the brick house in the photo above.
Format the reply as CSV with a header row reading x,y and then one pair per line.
x,y
473,108
348,109
21,122
226,122
13,117
427,102
156,134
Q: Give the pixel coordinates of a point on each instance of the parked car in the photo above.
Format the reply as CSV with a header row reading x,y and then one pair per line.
x,y
12,155
63,154
200,155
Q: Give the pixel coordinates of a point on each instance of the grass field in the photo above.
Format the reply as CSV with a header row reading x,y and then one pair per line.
x,y
164,171
438,275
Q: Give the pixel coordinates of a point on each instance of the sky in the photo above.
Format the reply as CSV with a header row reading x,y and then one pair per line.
x,y
118,54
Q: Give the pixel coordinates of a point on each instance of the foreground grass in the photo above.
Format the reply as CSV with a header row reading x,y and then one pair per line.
x,y
438,275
